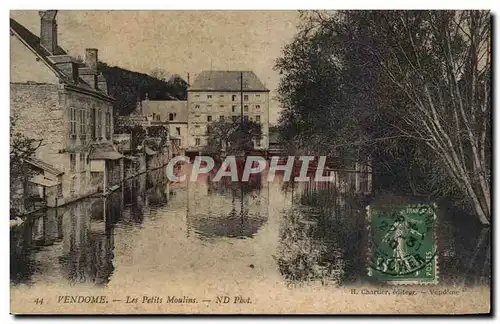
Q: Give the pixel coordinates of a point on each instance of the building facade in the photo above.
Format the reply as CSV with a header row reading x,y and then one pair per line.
x,y
64,102
175,114
221,95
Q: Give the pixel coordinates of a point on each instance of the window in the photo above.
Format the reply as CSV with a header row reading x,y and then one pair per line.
x,y
197,106
257,142
72,122
72,162
221,106
245,108
197,141
221,96
209,118
209,96
99,124
170,116
257,107
234,97
196,126
178,130
89,122
83,162
235,118
83,124
221,118
245,97
257,118
158,117
245,118
93,123
258,96
234,108
108,125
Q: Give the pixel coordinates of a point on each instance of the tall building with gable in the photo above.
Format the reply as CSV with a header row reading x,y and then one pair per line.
x,y
221,95
64,102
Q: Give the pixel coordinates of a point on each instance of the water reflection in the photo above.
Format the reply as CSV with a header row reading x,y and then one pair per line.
x,y
226,208
88,244
75,243
321,236
300,232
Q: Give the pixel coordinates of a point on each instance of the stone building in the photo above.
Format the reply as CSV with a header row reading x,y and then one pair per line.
x,y
148,140
65,102
175,114
221,95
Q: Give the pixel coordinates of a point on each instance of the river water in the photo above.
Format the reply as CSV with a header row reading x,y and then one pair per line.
x,y
202,231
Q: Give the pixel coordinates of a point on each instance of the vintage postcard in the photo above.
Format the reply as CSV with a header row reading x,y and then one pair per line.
x,y
250,162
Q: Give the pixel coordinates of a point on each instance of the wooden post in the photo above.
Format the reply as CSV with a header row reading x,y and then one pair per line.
x,y
105,186
122,170
357,178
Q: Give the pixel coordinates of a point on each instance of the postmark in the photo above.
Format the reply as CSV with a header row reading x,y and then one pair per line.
x,y
403,244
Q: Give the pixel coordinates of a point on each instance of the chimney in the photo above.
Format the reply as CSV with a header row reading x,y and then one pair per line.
x,y
89,72
91,58
48,30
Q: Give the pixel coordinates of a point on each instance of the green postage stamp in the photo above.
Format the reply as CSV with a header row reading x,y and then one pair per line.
x,y
402,247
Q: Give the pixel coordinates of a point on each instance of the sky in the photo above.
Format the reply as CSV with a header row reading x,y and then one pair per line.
x,y
178,42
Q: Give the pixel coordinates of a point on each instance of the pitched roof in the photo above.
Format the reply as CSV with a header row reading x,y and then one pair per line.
x,y
227,81
164,107
33,42
40,180
104,152
44,166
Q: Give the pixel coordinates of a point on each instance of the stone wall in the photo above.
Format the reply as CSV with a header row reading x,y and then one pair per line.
x,y
40,116
42,112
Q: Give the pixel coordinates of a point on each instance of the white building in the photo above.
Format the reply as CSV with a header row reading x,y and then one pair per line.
x,y
220,95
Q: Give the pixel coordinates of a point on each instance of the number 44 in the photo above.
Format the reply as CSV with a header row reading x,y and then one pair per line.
x,y
39,301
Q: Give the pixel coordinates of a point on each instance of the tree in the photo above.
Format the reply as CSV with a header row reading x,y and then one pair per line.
x,y
159,74
445,72
21,149
411,89
128,86
232,136
137,134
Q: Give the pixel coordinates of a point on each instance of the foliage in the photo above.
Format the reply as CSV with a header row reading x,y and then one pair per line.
x,y
137,134
21,148
128,86
410,89
232,136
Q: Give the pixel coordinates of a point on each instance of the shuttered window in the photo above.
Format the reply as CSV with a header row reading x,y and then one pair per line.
x,y
72,122
83,124
108,125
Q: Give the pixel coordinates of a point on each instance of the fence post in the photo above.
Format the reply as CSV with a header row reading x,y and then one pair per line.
x,y
357,178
